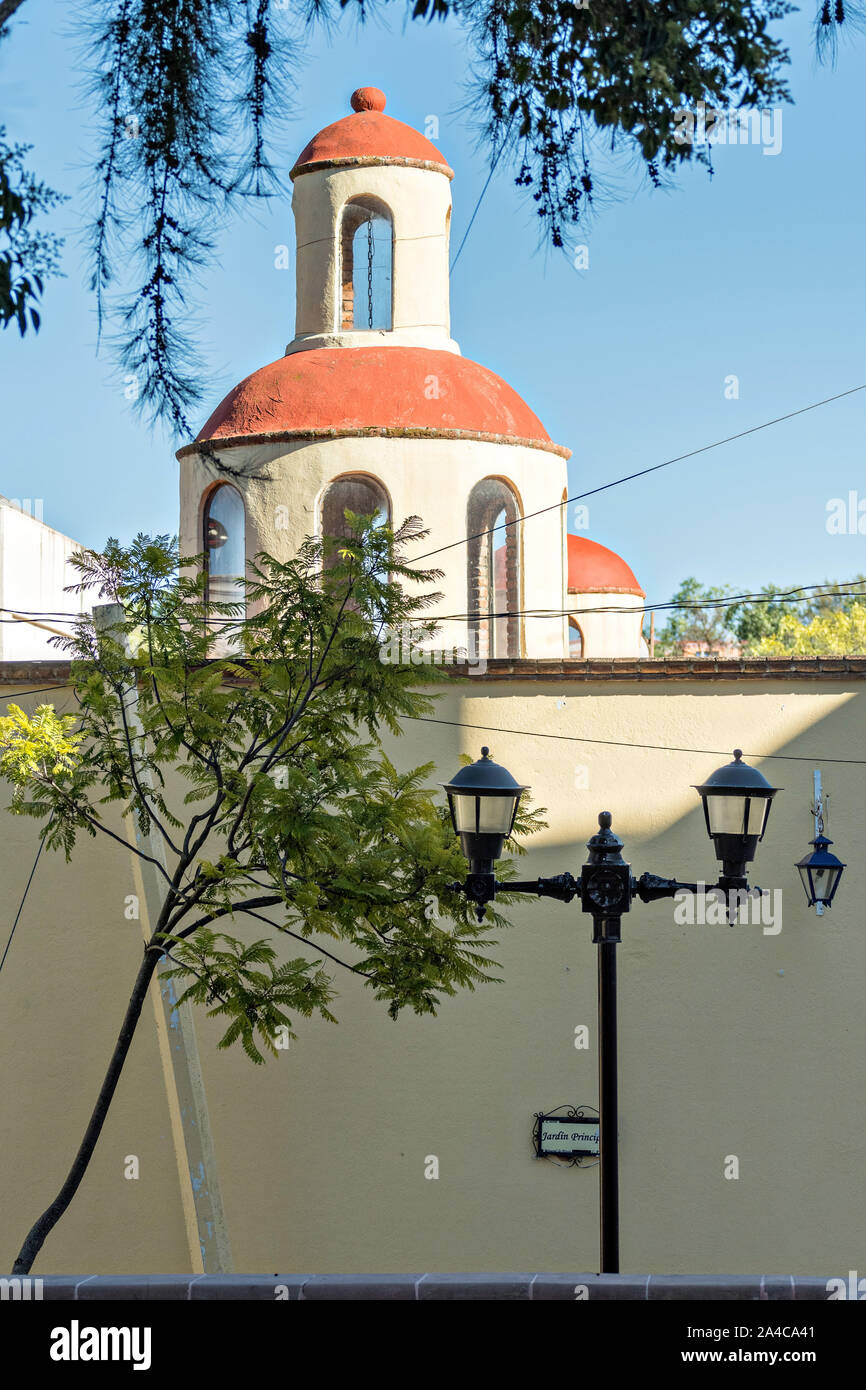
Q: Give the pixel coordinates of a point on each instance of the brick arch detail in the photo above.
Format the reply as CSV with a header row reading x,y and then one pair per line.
x,y
355,213
487,499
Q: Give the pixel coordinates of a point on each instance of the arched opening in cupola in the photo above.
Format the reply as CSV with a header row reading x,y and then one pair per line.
x,y
575,640
494,568
224,544
366,258
354,492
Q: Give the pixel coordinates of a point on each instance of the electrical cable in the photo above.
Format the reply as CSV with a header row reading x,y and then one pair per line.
x,y
40,690
24,895
652,747
641,473
496,160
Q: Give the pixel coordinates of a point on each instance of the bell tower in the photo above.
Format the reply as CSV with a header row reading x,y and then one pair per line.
x,y
372,207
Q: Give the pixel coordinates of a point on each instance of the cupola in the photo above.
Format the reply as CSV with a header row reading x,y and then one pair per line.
x,y
372,207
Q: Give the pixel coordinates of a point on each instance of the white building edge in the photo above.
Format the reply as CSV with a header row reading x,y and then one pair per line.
x,y
34,571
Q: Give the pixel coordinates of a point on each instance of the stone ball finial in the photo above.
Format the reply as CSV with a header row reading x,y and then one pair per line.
x,y
368,99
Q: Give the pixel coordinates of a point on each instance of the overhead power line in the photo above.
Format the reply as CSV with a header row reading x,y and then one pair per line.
x,y
40,690
24,895
477,207
616,743
735,600
641,472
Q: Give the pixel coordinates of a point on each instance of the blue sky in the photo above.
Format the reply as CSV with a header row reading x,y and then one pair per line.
x,y
756,273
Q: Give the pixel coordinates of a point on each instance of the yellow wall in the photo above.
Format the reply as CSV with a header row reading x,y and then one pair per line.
x,y
732,1041
63,992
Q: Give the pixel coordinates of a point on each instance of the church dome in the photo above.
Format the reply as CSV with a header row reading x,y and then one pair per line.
x,y
368,136
414,392
593,569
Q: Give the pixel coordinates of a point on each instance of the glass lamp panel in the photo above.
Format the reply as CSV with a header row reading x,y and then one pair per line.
x,y
726,815
833,876
464,812
825,882
804,875
496,815
757,810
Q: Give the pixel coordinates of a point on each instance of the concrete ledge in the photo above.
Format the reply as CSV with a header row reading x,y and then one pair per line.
x,y
629,669
610,669
420,1287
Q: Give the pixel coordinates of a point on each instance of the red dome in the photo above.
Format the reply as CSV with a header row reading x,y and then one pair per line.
x,y
408,391
593,569
368,136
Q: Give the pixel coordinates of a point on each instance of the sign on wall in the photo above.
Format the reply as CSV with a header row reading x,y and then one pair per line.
x,y
568,1132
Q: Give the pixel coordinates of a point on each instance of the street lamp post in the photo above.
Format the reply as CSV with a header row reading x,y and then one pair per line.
x,y
483,799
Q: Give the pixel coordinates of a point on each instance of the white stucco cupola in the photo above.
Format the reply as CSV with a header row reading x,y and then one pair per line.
x,y
373,410
372,208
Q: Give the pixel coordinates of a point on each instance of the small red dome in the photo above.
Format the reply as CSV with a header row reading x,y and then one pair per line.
x,y
593,569
368,136
408,391
368,99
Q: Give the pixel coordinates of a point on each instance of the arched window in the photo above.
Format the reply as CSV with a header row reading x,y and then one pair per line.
x,y
494,570
366,253
353,493
575,640
224,545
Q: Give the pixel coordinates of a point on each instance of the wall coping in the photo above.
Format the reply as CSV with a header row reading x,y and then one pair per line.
x,y
420,1287
623,668
829,668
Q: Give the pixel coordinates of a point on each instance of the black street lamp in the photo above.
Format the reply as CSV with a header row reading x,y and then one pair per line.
x,y
737,800
484,798
820,872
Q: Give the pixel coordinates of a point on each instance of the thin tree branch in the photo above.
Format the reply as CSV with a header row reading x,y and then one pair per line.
x,y
314,945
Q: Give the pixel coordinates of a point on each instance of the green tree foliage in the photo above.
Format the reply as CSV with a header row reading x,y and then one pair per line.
x,y
777,608
263,774
817,619
836,632
185,93
704,617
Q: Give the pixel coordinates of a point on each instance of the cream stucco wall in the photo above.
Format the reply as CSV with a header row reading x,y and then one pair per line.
x,y
732,1041
63,992
431,478
606,631
419,201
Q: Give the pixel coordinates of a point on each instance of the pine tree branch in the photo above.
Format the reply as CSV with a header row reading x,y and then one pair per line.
x,y
7,10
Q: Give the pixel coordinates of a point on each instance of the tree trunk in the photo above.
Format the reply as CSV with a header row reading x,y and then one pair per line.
x,y
49,1218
